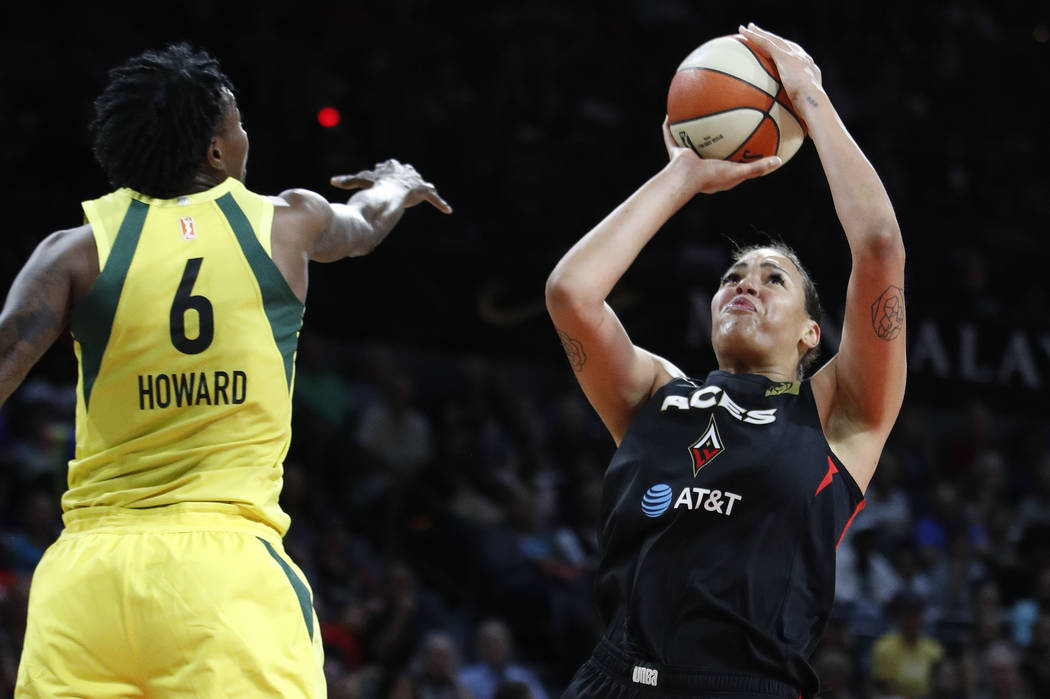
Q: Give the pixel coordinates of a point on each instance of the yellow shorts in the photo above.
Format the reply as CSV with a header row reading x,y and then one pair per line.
x,y
170,603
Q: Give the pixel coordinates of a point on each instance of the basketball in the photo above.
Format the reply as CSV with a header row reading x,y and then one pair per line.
x,y
726,102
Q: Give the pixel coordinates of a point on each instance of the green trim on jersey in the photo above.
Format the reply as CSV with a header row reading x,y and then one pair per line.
x,y
305,604
283,309
93,320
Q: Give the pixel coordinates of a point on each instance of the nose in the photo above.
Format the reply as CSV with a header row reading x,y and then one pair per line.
x,y
746,286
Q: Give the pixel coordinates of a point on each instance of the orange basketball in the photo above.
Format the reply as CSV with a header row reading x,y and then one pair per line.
x,y
726,102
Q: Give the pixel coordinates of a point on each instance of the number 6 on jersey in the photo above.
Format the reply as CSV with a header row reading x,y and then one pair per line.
x,y
186,301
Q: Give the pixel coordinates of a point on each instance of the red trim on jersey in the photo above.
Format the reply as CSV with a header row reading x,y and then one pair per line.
x,y
860,506
827,477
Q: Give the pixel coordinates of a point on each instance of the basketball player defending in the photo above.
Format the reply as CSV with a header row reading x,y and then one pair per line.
x,y
184,293
727,496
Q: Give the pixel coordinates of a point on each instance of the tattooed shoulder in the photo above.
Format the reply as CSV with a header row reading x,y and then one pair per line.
x,y
887,313
573,350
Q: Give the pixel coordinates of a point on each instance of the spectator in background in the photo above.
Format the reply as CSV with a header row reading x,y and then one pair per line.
x,y
38,526
1035,506
514,690
394,432
902,660
949,681
1035,663
1002,681
436,676
495,665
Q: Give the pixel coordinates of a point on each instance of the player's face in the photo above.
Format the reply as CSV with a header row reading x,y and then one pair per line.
x,y
232,141
758,314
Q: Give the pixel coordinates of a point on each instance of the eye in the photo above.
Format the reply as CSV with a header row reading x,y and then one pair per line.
x,y
777,278
730,278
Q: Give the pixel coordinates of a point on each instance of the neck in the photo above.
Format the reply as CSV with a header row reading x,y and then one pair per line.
x,y
206,180
772,371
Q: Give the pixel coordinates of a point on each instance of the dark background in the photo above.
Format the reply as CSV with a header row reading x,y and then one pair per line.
x,y
535,119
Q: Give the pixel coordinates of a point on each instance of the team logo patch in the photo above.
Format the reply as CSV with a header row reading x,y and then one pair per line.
x,y
189,232
705,449
788,387
656,500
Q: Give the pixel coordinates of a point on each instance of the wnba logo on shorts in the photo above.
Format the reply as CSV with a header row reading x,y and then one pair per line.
x,y
189,232
645,675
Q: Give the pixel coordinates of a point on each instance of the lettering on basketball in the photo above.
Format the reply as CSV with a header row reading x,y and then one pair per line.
x,y
573,350
887,313
179,390
711,396
748,155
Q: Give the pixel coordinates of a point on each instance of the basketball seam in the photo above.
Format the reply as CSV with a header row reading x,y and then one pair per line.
x,y
755,130
720,111
787,107
760,63
737,78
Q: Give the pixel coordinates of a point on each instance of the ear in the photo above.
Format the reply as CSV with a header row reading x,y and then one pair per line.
x,y
811,335
214,154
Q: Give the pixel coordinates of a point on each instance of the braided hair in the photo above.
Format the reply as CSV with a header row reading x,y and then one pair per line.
x,y
155,119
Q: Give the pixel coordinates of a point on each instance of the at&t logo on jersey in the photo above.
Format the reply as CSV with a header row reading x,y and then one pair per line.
x,y
657,500
710,396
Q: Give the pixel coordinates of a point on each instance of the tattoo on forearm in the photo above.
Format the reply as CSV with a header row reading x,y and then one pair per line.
x,y
812,102
573,350
887,313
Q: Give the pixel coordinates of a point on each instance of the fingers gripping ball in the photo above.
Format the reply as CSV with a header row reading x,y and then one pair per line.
x,y
726,102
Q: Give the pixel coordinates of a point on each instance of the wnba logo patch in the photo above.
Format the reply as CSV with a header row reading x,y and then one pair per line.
x,y
657,499
189,232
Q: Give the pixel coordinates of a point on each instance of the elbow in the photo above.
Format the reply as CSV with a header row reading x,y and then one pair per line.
x,y
883,243
564,297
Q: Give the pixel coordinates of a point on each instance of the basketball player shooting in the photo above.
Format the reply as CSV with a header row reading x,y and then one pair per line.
x,y
184,293
727,496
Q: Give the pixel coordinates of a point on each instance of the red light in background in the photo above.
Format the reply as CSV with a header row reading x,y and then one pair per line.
x,y
329,117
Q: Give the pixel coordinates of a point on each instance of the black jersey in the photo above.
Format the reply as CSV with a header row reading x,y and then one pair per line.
x,y
722,509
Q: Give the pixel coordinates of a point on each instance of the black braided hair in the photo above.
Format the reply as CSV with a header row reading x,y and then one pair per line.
x,y
155,119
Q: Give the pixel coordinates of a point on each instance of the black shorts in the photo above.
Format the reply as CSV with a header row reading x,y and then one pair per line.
x,y
612,674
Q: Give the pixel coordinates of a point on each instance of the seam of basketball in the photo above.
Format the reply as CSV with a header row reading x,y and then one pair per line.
x,y
760,63
720,111
734,77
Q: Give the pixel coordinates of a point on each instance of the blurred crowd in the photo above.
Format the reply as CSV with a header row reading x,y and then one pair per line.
x,y
444,510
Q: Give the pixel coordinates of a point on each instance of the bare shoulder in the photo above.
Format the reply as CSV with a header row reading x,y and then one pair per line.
x,y
857,444
69,253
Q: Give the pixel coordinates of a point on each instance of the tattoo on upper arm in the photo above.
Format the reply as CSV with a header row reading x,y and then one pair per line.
x,y
573,350
887,313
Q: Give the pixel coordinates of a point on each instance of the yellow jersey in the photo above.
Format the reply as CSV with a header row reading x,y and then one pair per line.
x,y
186,353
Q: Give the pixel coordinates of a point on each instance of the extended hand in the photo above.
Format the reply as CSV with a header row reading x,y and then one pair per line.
x,y
403,175
711,175
798,72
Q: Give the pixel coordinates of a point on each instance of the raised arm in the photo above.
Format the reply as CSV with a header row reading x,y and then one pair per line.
x,y
860,391
309,227
617,376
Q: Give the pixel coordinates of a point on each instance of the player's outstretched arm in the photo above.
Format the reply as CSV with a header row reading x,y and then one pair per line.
x,y
37,306
617,376
864,382
357,227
